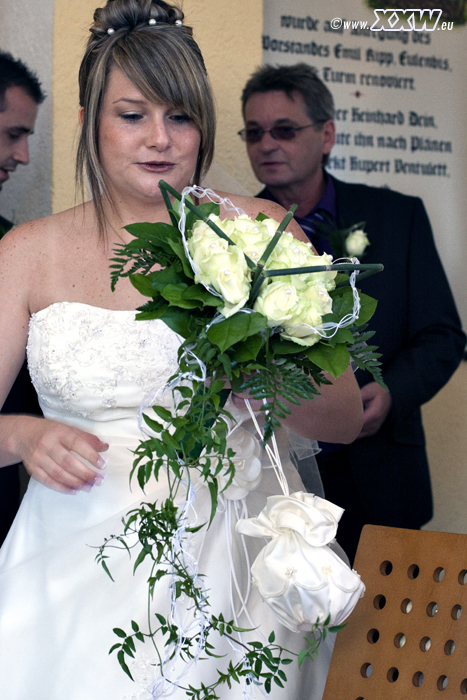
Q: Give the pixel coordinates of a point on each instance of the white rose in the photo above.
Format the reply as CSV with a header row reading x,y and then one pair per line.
x,y
244,225
225,270
292,253
288,253
251,236
325,278
271,226
356,242
200,227
234,287
301,326
205,243
317,292
276,301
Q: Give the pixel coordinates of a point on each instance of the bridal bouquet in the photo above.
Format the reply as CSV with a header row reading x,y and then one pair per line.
x,y
258,311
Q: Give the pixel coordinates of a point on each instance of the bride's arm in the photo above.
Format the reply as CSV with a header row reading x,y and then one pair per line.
x,y
44,446
336,415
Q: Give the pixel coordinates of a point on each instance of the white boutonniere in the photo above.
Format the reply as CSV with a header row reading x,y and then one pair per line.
x,y
356,243
349,242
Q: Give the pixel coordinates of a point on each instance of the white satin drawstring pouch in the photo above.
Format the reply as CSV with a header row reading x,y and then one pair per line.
x,y
296,573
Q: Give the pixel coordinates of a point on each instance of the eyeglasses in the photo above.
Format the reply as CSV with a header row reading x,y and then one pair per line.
x,y
254,134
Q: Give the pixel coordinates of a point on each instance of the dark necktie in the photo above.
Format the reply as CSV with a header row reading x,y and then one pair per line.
x,y
316,226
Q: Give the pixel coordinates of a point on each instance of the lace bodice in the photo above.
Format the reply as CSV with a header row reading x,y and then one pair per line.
x,y
96,363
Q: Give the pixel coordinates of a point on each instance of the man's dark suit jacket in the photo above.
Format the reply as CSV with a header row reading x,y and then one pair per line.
x,y
21,399
5,224
419,334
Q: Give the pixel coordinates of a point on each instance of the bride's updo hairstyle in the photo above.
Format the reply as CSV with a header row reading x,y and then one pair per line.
x,y
147,40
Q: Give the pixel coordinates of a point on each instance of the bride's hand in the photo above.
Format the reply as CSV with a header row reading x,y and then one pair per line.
x,y
51,453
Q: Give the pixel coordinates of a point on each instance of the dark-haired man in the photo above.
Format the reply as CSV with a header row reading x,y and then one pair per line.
x,y
383,477
20,97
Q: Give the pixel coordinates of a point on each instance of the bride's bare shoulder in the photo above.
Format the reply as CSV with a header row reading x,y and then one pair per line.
x,y
34,239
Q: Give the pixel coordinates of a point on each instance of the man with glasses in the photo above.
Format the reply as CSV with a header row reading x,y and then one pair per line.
x,y
383,477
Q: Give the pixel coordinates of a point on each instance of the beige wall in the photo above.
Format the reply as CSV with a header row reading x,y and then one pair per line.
x,y
70,35
445,421
229,35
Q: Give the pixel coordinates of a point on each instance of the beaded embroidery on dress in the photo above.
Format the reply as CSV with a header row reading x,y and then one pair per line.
x,y
92,369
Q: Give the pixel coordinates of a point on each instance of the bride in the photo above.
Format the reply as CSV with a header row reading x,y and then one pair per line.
x,y
146,114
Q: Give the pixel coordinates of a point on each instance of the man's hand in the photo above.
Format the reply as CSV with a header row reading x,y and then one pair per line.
x,y
376,405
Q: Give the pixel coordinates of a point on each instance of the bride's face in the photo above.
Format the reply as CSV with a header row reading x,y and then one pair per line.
x,y
141,143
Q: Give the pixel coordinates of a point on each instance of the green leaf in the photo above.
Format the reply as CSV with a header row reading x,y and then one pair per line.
x,y
174,293
367,310
333,360
213,490
121,659
185,391
169,441
342,302
106,569
248,349
154,425
226,363
285,347
140,558
119,632
169,275
197,291
343,335
163,413
302,656
151,315
177,320
205,209
157,234
337,628
143,284
261,216
179,250
235,329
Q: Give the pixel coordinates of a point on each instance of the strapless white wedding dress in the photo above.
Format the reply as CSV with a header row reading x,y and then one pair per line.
x,y
92,368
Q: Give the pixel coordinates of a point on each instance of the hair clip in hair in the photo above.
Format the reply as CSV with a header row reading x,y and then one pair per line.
x,y
110,30
178,22
152,21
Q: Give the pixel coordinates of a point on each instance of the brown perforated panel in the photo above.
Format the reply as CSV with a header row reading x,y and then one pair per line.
x,y
407,638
